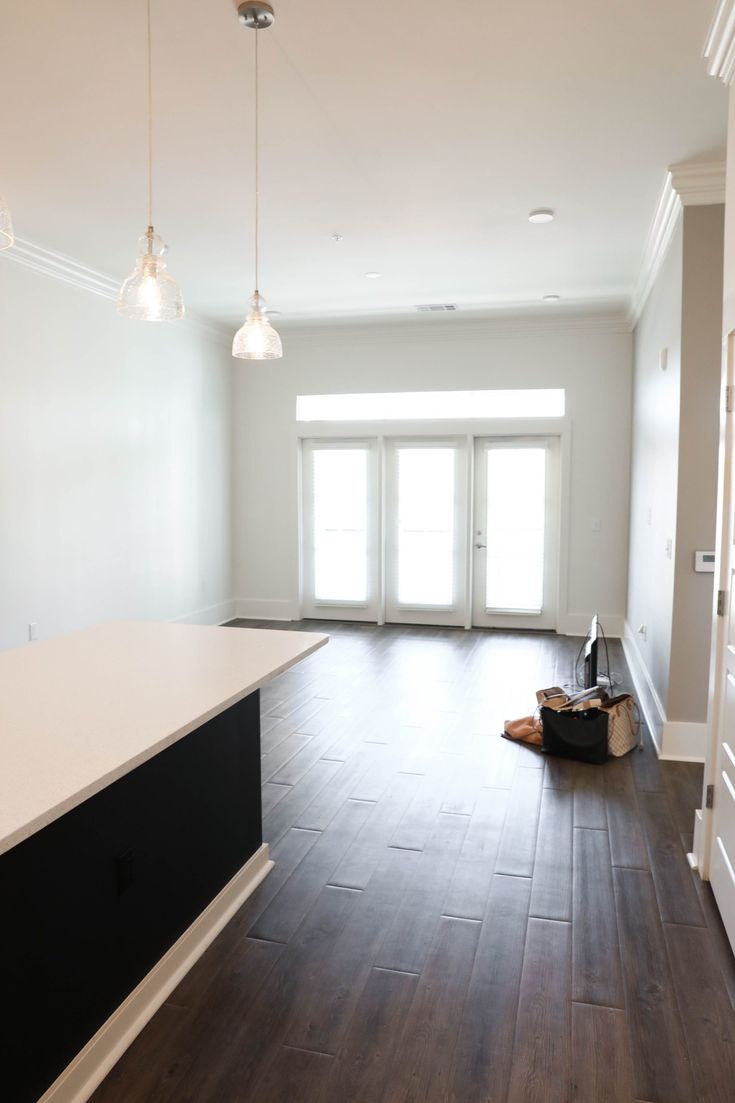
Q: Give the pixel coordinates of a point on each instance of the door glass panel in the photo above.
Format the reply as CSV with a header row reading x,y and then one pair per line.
x,y
426,520
340,528
516,495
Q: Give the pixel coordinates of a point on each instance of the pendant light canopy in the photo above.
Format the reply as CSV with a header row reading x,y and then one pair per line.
x,y
7,237
150,294
256,339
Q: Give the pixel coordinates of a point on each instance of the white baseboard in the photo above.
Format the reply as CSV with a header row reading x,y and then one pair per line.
x,y
213,614
675,740
578,624
89,1068
249,608
684,741
648,698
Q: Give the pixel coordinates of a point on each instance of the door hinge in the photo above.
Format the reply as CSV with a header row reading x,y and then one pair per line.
x,y
728,398
721,599
709,800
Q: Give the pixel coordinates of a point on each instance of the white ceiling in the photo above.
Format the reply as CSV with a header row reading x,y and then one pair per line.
x,y
421,131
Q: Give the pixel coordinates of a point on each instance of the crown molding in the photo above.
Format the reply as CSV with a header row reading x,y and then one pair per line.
x,y
689,184
58,266
699,183
719,49
65,269
531,323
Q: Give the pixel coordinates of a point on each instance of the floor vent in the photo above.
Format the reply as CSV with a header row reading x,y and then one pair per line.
x,y
436,308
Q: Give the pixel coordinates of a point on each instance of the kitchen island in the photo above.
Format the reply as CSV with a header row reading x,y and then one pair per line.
x,y
130,831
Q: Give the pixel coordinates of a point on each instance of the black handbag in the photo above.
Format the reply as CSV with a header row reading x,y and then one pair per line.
x,y
578,734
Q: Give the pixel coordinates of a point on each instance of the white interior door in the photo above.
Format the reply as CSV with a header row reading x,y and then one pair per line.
x,y
340,525
516,533
425,531
717,850
722,869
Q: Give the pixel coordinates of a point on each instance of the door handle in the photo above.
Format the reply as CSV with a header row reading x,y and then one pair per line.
x,y
480,545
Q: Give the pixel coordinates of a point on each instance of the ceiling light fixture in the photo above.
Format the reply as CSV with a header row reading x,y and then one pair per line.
x,y
256,339
551,298
7,237
373,275
543,214
150,294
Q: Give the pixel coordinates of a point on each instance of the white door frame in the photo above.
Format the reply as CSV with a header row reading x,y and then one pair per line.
x,y
470,429
547,618
371,609
704,819
456,614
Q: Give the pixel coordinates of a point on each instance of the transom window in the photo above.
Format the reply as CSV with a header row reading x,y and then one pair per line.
x,y
431,405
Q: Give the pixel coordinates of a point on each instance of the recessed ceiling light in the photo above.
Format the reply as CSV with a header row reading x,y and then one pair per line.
x,y
373,275
551,298
543,214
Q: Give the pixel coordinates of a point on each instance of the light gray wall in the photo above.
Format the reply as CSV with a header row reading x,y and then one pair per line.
x,y
592,363
654,467
698,446
674,464
115,463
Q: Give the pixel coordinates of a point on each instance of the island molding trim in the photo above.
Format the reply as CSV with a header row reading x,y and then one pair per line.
x,y
91,1065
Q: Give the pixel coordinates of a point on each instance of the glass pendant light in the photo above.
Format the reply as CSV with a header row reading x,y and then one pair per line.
x,y
150,294
256,339
7,237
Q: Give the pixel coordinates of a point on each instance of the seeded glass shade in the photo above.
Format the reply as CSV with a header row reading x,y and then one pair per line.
x,y
257,339
6,226
150,294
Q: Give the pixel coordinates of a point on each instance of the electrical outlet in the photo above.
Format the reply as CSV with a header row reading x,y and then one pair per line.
x,y
649,516
596,524
33,631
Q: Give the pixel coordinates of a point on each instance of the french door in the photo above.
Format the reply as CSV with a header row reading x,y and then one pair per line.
x,y
515,533
445,531
340,527
425,531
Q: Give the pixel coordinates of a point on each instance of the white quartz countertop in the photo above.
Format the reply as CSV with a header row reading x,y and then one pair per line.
x,y
81,710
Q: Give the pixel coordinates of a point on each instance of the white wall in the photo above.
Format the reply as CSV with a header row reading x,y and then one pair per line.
x,y
698,448
115,472
655,467
591,359
674,482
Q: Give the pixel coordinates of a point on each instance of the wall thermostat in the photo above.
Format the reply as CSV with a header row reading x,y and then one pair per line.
x,y
704,561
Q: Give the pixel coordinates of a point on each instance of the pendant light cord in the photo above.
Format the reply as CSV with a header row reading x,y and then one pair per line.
x,y
256,161
150,118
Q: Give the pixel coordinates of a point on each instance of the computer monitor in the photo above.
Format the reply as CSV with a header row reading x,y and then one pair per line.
x,y
590,655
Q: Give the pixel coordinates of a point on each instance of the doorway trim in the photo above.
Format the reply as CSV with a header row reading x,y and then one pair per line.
x,y
559,427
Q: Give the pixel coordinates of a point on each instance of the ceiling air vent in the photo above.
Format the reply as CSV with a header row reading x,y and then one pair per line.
x,y
436,308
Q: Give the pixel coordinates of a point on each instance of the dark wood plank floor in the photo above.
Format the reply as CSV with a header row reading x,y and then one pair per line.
x,y
451,917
